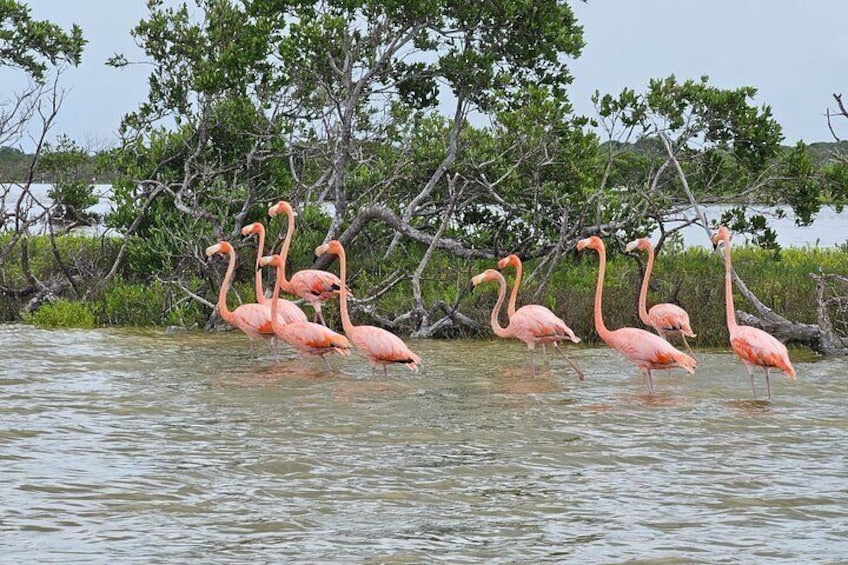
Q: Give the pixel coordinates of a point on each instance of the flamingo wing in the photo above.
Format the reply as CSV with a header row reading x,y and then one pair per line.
x,y
757,347
544,323
312,284
382,346
253,319
288,312
670,318
649,351
314,339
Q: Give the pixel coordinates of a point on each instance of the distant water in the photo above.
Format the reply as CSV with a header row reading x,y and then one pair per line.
x,y
829,228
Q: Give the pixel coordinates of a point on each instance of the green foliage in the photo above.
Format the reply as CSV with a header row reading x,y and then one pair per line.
x,y
31,45
68,165
134,304
64,314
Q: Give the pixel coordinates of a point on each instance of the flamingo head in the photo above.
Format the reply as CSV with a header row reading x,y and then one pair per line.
x,y
252,229
281,207
222,247
269,260
593,242
509,261
642,243
487,275
722,235
333,246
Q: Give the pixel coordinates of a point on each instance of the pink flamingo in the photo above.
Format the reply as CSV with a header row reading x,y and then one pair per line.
x,y
307,337
551,328
287,310
253,319
647,351
667,319
530,324
312,285
755,347
379,346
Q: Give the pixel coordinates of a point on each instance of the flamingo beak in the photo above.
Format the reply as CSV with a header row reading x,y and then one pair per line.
x,y
321,249
715,240
583,243
631,246
213,249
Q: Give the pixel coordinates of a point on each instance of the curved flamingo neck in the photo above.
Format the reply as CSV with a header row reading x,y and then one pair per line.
x,y
643,294
599,294
347,325
260,290
510,308
225,286
499,330
728,289
282,281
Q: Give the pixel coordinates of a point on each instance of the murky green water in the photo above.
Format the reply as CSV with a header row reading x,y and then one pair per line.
x,y
158,447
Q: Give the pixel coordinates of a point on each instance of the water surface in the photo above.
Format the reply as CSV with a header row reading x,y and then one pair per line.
x,y
158,447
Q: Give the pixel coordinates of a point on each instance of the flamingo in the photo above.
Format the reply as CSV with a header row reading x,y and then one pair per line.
x,y
647,351
531,324
755,347
312,285
667,319
253,319
553,329
287,310
307,337
380,346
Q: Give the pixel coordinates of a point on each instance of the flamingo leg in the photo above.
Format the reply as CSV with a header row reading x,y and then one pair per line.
x,y
533,362
751,376
686,344
768,383
321,316
650,381
574,366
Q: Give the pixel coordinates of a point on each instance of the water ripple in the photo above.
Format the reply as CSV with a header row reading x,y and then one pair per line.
x,y
175,447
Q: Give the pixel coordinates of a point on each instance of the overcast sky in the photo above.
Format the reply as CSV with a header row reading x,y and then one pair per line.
x,y
795,52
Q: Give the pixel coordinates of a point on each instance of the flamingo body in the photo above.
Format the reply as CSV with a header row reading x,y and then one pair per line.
x,y
530,324
380,347
760,349
307,337
669,319
288,311
534,324
312,285
313,339
645,350
754,347
253,319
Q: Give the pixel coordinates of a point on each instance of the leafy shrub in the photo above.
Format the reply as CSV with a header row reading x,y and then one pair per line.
x,y
63,314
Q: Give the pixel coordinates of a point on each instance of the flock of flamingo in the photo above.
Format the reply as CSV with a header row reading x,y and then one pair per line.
x,y
531,324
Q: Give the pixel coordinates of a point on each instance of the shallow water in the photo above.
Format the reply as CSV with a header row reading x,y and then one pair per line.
x,y
158,447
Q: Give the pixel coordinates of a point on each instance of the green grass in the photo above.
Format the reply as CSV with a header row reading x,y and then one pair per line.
x,y
695,276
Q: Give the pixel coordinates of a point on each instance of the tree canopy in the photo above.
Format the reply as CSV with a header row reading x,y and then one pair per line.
x,y
30,45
